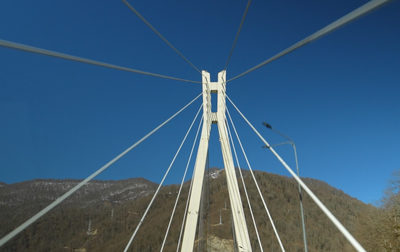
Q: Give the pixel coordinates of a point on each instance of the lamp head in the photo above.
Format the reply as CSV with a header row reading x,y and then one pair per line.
x,y
267,125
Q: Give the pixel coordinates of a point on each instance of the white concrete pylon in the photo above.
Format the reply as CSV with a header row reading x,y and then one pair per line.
x,y
195,196
239,221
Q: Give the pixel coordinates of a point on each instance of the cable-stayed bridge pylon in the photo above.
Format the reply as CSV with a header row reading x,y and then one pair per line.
x,y
219,117
209,118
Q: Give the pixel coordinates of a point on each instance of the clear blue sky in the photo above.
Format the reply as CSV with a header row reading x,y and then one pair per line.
x,y
337,98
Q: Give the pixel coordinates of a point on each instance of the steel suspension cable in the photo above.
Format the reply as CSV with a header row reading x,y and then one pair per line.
x,y
237,35
244,185
190,188
161,36
258,188
37,50
335,221
155,194
183,180
329,28
67,194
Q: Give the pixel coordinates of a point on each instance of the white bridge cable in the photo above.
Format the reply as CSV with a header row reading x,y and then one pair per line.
x,y
335,221
237,35
37,50
244,185
371,5
67,194
258,188
235,194
161,36
190,188
158,189
183,179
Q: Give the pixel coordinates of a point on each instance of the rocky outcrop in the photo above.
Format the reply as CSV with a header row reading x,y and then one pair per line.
x,y
218,244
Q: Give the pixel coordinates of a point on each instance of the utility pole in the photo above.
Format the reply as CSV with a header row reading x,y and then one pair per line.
x,y
89,231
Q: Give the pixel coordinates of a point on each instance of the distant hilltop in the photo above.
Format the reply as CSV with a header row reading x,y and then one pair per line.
x,y
44,190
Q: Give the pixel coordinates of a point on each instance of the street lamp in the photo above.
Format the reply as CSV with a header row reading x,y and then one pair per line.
x,y
290,141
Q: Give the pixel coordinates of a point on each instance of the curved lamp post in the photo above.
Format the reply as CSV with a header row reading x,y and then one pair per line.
x,y
290,141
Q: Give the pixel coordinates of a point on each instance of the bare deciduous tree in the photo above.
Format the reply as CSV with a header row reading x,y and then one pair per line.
x,y
382,230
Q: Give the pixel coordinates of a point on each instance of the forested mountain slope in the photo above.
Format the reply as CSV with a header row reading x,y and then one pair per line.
x,y
114,208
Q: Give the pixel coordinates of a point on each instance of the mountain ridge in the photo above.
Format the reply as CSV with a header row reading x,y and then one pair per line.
x,y
119,206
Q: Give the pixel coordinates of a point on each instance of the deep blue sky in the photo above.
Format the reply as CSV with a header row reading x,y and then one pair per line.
x,y
337,98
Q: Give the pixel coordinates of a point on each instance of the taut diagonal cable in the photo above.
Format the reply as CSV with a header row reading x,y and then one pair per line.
x,y
230,177
183,179
244,184
258,188
158,189
324,209
191,183
336,24
190,188
67,194
237,35
37,50
161,36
